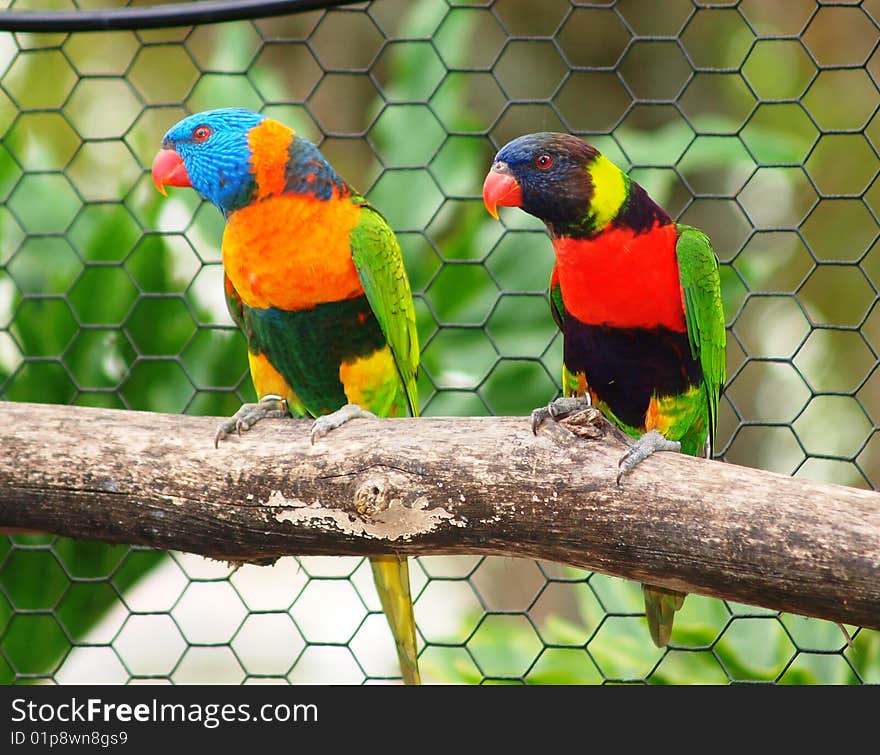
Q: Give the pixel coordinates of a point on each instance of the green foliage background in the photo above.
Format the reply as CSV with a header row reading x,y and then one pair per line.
x,y
756,123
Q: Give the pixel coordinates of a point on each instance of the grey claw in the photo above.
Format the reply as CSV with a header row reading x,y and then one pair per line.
x,y
538,417
248,415
557,409
334,420
651,442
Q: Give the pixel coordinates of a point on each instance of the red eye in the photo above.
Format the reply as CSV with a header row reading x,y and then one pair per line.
x,y
543,161
202,133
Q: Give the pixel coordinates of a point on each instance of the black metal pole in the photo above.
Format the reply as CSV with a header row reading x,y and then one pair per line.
x,y
156,16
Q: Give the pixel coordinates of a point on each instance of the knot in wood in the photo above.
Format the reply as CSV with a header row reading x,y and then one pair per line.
x,y
586,423
373,496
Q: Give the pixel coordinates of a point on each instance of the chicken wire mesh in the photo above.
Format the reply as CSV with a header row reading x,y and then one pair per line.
x,y
754,121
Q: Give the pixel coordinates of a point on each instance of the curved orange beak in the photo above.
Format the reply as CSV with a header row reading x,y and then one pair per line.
x,y
501,189
169,170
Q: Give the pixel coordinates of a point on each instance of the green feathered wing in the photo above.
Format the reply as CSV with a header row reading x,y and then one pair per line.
x,y
704,318
379,263
704,314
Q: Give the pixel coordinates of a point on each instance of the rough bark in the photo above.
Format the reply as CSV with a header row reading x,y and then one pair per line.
x,y
441,486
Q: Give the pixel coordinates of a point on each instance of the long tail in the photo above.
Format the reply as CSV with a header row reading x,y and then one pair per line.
x,y
660,607
392,583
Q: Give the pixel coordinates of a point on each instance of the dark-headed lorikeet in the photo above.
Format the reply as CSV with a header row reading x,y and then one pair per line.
x,y
637,297
315,280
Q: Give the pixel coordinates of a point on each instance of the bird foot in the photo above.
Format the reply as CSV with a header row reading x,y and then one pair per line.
x,y
268,407
337,419
649,443
558,409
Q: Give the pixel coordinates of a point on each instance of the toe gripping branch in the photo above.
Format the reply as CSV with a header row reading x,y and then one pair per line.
x,y
651,442
328,422
559,409
270,406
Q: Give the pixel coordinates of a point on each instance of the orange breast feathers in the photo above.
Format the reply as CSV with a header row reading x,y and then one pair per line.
x,y
292,252
622,279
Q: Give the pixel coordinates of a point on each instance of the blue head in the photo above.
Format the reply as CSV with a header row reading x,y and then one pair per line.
x,y
210,151
233,156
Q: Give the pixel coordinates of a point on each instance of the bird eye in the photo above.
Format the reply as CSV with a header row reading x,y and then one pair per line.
x,y
543,161
202,133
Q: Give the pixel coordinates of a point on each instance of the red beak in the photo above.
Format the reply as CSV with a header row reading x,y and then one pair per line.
x,y
169,170
501,189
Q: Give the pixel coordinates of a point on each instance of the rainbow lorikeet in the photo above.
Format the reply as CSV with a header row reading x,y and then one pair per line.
x,y
637,298
315,279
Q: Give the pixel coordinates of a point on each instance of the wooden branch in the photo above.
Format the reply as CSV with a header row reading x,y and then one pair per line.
x,y
442,486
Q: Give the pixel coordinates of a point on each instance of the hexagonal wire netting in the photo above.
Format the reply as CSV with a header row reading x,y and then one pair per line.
x,y
754,121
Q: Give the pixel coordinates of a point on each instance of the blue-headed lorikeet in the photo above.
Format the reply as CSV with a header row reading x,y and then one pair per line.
x,y
637,298
315,279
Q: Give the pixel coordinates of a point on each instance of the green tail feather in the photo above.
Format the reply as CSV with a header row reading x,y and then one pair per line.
x,y
391,575
660,607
